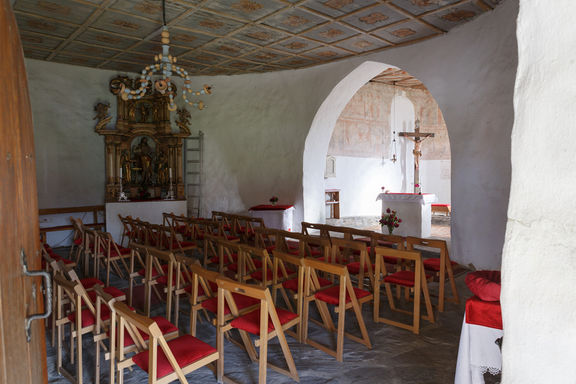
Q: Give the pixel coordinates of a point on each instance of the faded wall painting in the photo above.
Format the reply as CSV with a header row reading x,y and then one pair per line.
x,y
363,128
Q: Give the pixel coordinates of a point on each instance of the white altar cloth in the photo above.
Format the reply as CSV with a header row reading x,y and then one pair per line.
x,y
277,217
150,211
414,209
477,354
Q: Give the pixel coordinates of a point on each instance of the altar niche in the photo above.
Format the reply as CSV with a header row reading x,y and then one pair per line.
x,y
142,151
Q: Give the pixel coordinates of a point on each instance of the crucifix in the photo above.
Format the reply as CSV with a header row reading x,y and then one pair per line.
x,y
417,137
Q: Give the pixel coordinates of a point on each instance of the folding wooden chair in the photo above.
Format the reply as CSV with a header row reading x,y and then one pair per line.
x,y
266,323
343,295
105,331
440,266
114,256
77,239
354,254
413,278
127,230
164,361
173,241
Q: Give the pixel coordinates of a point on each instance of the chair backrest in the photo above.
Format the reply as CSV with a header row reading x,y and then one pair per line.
x,y
338,272
410,256
440,245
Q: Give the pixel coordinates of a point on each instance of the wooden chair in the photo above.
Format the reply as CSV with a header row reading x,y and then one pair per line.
x,y
204,295
343,295
164,361
173,242
440,266
354,255
413,278
114,256
256,322
77,239
127,230
131,342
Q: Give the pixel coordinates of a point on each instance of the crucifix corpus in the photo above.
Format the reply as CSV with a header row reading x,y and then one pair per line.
x,y
417,137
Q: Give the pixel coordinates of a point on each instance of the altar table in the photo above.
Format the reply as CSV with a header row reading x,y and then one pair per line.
x,y
414,209
275,216
478,352
150,211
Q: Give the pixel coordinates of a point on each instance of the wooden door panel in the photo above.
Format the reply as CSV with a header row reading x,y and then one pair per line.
x,y
20,361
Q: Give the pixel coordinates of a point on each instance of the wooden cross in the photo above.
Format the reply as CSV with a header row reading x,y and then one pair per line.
x,y
417,137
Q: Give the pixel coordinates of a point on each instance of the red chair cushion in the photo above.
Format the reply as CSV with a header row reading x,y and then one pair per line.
x,y
404,278
183,244
484,284
78,241
155,273
250,322
241,301
292,284
354,268
292,244
216,259
232,238
164,325
88,318
123,251
332,295
434,264
90,282
186,349
112,291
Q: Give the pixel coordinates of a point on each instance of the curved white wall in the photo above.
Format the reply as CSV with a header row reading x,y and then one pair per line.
x,y
539,268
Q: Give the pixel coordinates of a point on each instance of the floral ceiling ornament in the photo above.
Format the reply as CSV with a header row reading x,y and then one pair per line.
x,y
165,66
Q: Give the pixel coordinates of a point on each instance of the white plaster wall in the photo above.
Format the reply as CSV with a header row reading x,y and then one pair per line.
x,y
435,178
539,268
258,135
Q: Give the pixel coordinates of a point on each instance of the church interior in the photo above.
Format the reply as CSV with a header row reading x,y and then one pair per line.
x,y
314,191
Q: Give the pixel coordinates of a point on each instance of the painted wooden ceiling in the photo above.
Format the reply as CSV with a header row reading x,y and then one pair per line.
x,y
213,37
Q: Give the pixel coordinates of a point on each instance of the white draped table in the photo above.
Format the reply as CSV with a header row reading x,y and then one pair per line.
x,y
150,211
414,209
275,216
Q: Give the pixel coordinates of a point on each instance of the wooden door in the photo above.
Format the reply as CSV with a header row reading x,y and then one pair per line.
x,y
20,361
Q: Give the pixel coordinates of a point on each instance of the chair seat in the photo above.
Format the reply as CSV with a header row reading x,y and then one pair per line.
x,y
164,325
155,273
241,301
123,251
164,280
216,259
112,291
186,349
269,275
78,241
250,322
90,282
434,264
183,244
354,268
232,238
332,295
292,284
88,318
213,287
404,278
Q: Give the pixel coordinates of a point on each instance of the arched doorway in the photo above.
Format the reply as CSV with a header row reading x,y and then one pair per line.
x,y
366,151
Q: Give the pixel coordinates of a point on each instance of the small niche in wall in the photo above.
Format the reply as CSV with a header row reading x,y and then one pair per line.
x,y
330,170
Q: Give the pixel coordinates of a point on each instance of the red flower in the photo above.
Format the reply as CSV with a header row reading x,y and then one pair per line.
x,y
387,210
396,225
399,220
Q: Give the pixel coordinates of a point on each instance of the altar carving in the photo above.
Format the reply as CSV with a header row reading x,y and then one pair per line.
x,y
141,149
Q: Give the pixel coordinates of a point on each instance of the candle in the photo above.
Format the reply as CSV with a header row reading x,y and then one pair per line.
x,y
120,172
170,172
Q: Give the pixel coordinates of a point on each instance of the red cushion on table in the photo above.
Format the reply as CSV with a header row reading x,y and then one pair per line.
x,y
434,264
90,282
269,275
155,273
164,325
484,284
241,301
405,278
332,295
186,349
88,318
292,284
250,322
441,205
485,313
354,268
268,207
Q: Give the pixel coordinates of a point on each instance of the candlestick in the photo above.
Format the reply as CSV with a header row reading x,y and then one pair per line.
x,y
170,172
120,172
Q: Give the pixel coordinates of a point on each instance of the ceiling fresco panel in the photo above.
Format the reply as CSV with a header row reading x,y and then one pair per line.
x,y
266,56
330,33
65,10
150,9
336,8
210,23
327,53
405,32
418,7
245,9
89,50
374,18
34,40
294,20
43,26
259,35
125,24
362,43
229,47
296,45
453,17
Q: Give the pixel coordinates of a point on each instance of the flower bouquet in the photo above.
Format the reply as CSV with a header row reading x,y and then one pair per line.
x,y
273,200
391,220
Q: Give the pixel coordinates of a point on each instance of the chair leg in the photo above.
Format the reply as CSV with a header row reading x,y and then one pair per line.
x,y
340,334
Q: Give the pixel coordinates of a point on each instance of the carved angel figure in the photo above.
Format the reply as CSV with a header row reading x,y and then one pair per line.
x,y
183,120
102,116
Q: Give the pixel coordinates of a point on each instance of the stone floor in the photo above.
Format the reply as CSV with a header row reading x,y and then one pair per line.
x,y
397,355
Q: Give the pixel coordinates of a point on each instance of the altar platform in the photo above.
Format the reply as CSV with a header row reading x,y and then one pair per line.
x,y
414,209
147,210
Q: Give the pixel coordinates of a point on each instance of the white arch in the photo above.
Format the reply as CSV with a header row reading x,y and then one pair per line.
x,y
318,138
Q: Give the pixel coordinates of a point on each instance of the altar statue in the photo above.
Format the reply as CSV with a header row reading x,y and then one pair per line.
x,y
143,152
162,169
126,165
